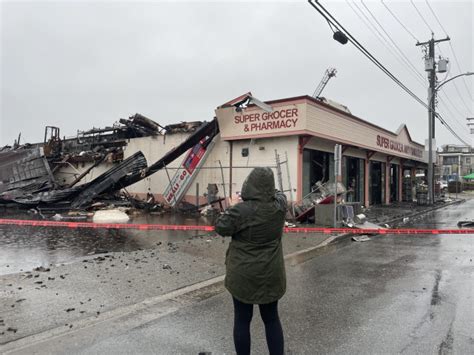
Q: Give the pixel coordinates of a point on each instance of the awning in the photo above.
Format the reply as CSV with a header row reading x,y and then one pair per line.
x,y
469,177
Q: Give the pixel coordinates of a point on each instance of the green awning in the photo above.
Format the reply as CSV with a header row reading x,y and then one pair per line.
x,y
469,177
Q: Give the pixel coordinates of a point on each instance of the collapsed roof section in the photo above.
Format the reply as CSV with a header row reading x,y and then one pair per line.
x,y
27,175
25,169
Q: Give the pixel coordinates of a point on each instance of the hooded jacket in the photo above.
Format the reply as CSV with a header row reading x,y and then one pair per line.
x,y
255,269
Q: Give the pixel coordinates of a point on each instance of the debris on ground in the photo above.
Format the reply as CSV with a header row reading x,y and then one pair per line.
x,y
361,238
463,224
60,217
110,216
360,218
321,194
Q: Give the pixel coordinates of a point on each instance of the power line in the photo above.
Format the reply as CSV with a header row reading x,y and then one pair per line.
x,y
330,18
448,127
469,110
459,113
421,16
400,22
372,28
460,71
361,48
436,17
392,41
452,115
456,86
452,50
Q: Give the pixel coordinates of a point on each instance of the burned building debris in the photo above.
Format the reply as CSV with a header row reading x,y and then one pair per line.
x,y
24,169
27,172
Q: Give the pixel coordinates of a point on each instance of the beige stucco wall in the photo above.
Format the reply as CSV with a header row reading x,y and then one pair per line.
x,y
319,120
155,148
210,172
341,128
262,153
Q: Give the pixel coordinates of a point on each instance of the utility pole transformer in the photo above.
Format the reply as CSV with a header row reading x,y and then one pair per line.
x,y
430,67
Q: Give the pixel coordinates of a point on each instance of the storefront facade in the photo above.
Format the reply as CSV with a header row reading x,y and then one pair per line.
x,y
305,130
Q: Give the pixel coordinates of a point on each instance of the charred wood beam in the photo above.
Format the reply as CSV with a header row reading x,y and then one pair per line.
x,y
111,180
87,171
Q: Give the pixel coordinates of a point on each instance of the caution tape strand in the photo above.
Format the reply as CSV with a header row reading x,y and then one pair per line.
x,y
177,227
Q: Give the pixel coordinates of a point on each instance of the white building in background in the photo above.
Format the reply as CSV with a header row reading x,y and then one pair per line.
x,y
456,161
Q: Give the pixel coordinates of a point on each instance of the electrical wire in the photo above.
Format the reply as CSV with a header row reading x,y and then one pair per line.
x,y
443,121
392,41
361,48
330,18
441,98
469,110
452,50
452,115
460,71
446,96
400,22
421,16
436,17
372,28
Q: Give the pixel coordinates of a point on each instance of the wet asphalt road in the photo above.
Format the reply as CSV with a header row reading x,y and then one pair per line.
x,y
392,294
23,248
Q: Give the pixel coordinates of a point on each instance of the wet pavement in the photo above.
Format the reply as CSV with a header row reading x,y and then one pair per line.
x,y
395,212
24,248
392,294
124,268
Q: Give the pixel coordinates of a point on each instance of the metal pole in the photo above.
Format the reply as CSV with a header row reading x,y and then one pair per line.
x,y
337,172
289,185
223,183
197,195
231,147
335,193
431,111
431,123
459,174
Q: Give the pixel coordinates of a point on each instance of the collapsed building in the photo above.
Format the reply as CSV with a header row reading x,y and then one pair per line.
x,y
204,162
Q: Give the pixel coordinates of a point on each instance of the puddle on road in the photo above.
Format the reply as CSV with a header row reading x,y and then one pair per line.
x,y
22,248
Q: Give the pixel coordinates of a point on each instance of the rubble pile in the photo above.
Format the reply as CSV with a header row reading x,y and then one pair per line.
x,y
27,172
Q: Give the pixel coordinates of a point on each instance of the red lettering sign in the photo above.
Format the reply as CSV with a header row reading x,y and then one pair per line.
x,y
254,122
386,143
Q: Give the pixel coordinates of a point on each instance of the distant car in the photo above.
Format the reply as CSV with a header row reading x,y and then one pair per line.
x,y
443,184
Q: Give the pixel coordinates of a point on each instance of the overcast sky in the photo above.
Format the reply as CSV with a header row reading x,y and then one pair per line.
x,y
78,65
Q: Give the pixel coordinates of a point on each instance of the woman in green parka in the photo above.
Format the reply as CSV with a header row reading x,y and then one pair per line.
x,y
255,269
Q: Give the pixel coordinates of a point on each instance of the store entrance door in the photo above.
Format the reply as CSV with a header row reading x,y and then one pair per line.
x,y
376,182
394,182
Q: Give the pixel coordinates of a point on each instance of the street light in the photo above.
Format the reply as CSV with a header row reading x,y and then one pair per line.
x,y
432,111
454,77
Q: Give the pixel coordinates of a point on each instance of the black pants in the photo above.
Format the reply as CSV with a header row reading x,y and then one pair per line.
x,y
243,316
